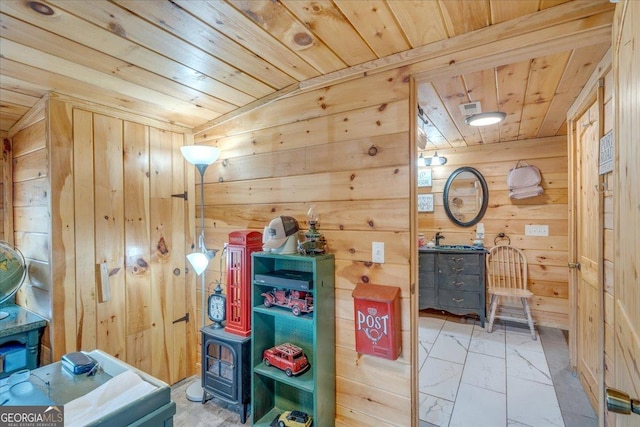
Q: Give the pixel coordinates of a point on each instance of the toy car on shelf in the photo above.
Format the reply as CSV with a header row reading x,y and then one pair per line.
x,y
297,301
292,419
287,357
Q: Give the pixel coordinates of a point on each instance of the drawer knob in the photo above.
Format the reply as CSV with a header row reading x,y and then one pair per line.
x,y
458,300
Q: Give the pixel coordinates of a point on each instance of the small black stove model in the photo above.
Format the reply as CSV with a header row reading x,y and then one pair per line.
x,y
225,368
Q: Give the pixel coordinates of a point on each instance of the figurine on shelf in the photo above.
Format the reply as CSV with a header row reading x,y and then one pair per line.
x,y
315,242
292,419
297,301
287,357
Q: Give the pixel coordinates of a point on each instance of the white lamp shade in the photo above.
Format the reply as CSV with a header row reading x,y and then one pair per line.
x,y
198,261
200,154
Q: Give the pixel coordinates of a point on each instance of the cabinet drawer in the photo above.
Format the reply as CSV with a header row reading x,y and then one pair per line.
x,y
426,298
458,299
459,264
459,282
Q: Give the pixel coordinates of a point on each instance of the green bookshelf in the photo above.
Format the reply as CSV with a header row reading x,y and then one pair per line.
x,y
313,392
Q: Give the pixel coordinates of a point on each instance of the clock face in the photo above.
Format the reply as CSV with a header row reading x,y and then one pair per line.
x,y
217,307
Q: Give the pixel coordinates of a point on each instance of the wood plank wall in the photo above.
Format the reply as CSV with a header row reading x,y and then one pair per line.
x,y
31,199
547,256
344,149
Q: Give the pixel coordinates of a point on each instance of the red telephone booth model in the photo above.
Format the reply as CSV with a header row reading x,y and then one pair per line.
x,y
241,245
377,320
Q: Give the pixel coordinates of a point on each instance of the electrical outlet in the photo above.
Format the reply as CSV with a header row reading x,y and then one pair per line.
x,y
536,230
377,252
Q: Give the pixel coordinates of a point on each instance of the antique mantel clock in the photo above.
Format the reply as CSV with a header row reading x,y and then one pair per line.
x,y
217,307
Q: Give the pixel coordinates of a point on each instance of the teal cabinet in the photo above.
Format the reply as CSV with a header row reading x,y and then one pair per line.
x,y
272,391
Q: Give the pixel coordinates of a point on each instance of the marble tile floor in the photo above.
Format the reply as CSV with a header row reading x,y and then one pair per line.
x,y
469,377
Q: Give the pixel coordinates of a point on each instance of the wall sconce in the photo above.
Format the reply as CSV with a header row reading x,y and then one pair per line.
x,y
485,119
435,160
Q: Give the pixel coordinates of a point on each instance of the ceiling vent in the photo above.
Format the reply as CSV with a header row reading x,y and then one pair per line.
x,y
470,109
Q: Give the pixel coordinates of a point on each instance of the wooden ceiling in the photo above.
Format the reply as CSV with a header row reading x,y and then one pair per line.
x,y
194,63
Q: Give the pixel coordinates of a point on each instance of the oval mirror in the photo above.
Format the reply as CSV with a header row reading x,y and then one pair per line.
x,y
466,196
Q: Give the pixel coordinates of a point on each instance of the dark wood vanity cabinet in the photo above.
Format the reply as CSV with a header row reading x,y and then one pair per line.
x,y
452,280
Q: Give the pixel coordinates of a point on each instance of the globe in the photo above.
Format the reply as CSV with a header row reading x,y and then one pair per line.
x,y
13,271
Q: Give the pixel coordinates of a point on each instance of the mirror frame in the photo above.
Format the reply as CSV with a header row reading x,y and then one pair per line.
x,y
485,196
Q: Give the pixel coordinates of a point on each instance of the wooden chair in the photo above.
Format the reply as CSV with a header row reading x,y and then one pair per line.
x,y
507,277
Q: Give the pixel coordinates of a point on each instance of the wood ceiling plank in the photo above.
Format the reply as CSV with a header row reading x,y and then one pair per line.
x,y
376,25
10,96
226,19
437,115
40,39
576,20
511,79
464,16
453,93
121,21
581,65
544,77
71,27
38,59
234,84
274,18
328,23
178,22
505,10
48,79
481,86
10,109
23,87
421,21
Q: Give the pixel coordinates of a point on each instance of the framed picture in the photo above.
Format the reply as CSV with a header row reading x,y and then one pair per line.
x,y
424,177
425,202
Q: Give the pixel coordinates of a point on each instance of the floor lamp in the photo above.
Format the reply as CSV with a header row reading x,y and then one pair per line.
x,y
200,156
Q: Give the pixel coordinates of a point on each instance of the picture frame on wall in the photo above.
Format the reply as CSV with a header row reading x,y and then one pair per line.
x,y
425,202
424,178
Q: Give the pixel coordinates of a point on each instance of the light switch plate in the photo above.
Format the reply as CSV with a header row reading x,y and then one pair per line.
x,y
377,252
536,230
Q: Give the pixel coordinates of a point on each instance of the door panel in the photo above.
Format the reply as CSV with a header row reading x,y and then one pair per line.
x,y
589,252
128,220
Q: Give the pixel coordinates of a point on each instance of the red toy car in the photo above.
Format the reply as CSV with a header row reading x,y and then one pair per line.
x,y
288,357
298,301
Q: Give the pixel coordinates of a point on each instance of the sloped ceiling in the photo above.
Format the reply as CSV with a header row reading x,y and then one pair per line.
x,y
193,62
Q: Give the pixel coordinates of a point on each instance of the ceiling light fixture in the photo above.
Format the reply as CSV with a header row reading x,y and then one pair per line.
x,y
485,119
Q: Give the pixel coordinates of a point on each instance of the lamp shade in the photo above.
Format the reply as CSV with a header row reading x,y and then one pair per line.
x,y
198,261
485,119
200,154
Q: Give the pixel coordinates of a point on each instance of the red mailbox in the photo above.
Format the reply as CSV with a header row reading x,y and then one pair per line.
x,y
377,320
